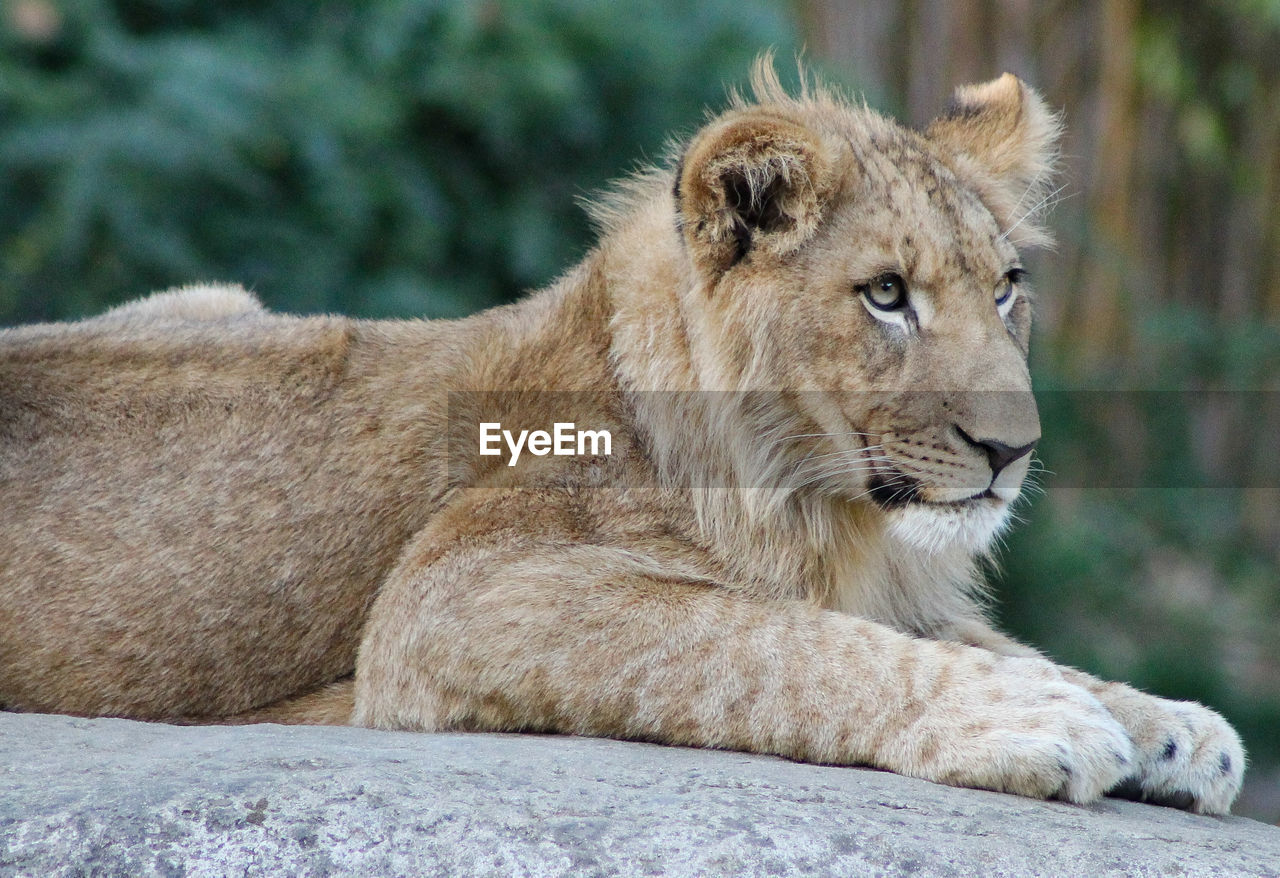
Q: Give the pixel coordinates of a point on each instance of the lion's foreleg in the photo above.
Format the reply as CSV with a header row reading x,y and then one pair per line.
x,y
578,640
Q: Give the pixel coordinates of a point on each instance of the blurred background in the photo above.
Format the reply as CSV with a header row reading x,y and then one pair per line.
x,y
425,158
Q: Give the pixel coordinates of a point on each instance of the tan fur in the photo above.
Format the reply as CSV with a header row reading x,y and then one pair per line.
x,y
214,512
196,302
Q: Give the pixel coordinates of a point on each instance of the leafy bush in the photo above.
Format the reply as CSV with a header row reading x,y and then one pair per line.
x,y
1151,556
395,157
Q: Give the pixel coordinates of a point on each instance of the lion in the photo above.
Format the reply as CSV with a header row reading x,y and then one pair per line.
x,y
805,338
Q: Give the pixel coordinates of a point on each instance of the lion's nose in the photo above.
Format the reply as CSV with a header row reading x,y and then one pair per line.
x,y
999,455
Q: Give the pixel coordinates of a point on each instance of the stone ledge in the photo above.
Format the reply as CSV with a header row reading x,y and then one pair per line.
x,y
117,797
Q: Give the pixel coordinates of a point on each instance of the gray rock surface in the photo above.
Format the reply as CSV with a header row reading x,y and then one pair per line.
x,y
112,797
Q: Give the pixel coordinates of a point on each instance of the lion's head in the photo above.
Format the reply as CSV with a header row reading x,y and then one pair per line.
x,y
870,274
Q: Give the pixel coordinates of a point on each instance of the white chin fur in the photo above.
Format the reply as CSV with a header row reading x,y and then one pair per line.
x,y
936,528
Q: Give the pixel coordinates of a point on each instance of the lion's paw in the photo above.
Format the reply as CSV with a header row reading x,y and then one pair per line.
x,y
1187,756
1023,729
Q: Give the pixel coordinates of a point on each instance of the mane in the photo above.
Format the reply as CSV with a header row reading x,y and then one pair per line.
x,y
608,209
748,494
767,90
783,534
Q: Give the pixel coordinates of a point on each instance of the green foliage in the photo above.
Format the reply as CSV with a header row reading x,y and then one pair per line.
x,y
395,157
1207,60
1151,554
1132,585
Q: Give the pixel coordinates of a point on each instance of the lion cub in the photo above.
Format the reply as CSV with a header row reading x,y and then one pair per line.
x,y
724,484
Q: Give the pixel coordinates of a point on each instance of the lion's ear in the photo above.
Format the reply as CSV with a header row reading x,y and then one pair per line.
x,y
1003,140
751,181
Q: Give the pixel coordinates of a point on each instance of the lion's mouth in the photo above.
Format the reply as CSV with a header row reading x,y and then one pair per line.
x,y
892,490
896,490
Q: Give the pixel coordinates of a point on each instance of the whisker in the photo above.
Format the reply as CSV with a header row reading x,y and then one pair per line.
x,y
841,467
819,435
1037,467
897,479
851,452
837,458
830,474
869,491
1037,206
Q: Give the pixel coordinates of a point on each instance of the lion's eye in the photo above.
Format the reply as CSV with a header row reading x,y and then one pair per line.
x,y
1007,286
888,292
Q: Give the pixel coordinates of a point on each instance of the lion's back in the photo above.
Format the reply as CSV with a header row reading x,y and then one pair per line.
x,y
195,493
